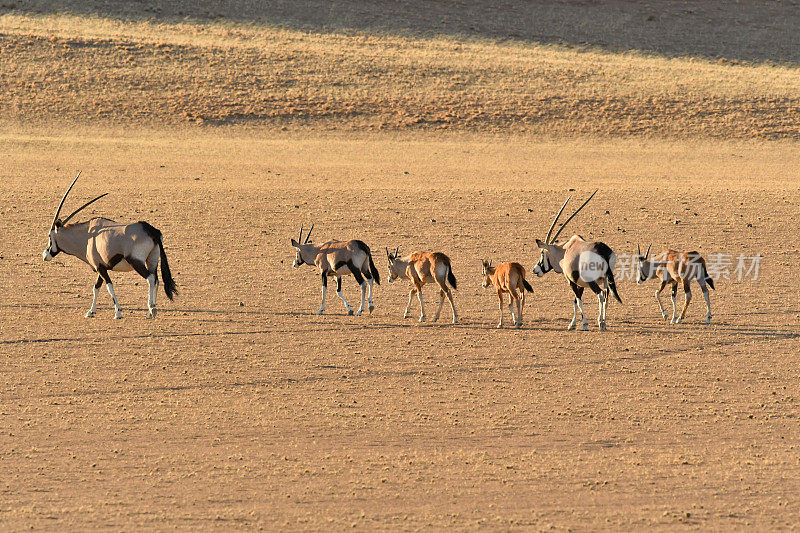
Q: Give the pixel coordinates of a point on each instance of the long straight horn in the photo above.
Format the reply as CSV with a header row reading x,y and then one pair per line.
x,y
573,215
87,204
58,211
553,225
397,252
648,251
308,235
638,249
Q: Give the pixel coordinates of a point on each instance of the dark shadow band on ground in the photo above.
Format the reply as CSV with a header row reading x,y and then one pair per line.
x,y
747,31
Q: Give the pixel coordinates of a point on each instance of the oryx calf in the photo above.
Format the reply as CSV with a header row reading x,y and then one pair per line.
x,y
584,264
508,278
336,259
421,268
106,246
673,267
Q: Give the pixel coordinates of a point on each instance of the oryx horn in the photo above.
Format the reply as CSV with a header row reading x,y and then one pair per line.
x,y
553,225
396,252
58,211
308,235
87,204
573,215
648,251
638,249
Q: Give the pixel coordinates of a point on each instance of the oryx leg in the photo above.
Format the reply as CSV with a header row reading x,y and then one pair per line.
x,y
340,295
687,291
704,288
95,290
516,314
324,290
449,295
362,283
577,304
674,305
369,298
411,294
601,323
500,297
368,276
441,302
421,305
103,272
658,297
152,281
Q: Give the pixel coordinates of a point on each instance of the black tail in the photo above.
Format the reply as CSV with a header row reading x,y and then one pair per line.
x,y
527,285
374,271
166,276
451,279
709,279
612,285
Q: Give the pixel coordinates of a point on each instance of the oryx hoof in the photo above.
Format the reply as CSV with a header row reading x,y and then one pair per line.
x,y
320,311
350,312
584,327
422,318
571,326
603,326
358,313
117,315
89,314
455,320
664,316
518,325
500,325
151,313
371,308
708,319
406,315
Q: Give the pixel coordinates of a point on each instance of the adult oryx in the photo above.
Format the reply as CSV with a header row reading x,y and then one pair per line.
x,y
584,264
673,267
107,245
336,259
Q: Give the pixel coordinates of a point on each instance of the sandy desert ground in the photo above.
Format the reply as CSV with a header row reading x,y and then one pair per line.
x,y
238,407
454,126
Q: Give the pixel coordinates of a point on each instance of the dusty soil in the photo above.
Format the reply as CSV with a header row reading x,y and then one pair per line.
x,y
238,408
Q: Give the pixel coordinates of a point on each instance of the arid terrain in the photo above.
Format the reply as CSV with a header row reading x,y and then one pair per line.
x,y
238,408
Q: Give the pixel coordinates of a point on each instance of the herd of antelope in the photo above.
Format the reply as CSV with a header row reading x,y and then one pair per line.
x,y
108,246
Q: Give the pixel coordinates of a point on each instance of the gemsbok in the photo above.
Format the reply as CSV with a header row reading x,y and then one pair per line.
x,y
584,264
421,268
508,278
106,246
673,267
336,259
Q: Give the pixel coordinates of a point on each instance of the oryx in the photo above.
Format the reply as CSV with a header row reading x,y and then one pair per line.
x,y
107,245
583,263
421,268
673,267
336,259
508,278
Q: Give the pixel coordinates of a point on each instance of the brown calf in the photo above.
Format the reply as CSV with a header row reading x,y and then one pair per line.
x,y
508,278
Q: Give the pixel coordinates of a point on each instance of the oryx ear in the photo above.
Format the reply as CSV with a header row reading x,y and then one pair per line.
x,y
539,243
295,243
